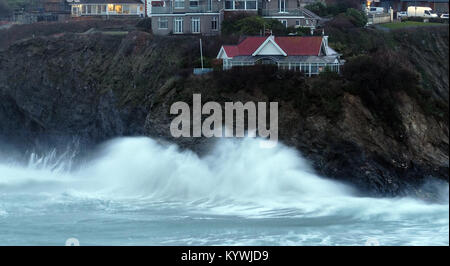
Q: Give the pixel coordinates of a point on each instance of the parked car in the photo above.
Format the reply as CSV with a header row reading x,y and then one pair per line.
x,y
402,14
420,11
444,16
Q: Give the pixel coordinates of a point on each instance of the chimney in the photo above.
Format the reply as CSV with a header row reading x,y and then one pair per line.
x,y
325,41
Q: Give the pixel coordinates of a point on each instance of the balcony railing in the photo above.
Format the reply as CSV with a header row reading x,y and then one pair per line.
x,y
286,12
170,8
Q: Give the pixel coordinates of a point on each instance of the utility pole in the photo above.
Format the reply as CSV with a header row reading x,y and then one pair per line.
x,y
201,54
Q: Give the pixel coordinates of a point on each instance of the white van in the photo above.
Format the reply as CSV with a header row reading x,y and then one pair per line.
x,y
376,10
420,11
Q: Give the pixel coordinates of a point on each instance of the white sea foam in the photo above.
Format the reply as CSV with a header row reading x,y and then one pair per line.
x,y
238,178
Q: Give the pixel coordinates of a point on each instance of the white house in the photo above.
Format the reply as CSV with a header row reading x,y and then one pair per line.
x,y
310,55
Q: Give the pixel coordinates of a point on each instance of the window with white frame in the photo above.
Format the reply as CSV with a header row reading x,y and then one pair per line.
x,y
284,22
179,4
281,6
250,5
229,4
163,23
195,25
178,25
209,5
241,5
193,3
214,23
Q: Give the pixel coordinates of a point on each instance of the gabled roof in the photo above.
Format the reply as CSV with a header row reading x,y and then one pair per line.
x,y
269,47
246,47
294,45
287,46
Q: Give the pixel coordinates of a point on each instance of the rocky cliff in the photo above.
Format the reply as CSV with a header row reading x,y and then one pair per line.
x,y
382,125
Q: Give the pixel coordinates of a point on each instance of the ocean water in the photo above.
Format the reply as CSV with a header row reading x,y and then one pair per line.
x,y
134,191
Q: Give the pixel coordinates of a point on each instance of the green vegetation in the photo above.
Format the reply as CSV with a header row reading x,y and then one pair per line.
x,y
408,24
356,17
332,9
255,25
377,71
145,24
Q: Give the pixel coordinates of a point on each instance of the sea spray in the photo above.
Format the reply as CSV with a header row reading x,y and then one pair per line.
x,y
151,193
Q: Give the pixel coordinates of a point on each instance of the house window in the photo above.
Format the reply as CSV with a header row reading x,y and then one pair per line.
x,y
195,25
89,9
297,23
209,5
179,4
251,5
214,23
239,4
75,10
103,8
126,9
193,3
118,9
163,23
284,22
281,6
229,4
178,25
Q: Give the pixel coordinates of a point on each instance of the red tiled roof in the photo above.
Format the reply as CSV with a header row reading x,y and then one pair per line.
x,y
300,45
292,45
231,50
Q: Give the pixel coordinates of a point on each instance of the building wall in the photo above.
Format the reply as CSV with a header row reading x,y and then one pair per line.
x,y
273,4
166,9
56,6
205,24
441,7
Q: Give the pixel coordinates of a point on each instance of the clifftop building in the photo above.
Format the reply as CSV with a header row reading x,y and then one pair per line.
x,y
196,16
205,16
310,55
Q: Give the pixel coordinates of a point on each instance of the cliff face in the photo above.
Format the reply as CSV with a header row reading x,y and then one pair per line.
x,y
101,84
355,146
52,89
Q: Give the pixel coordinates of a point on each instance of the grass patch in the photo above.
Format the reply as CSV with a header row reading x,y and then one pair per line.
x,y
114,32
407,24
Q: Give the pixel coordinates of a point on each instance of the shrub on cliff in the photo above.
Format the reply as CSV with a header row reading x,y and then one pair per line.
x,y
378,78
145,25
318,8
356,17
252,25
332,8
